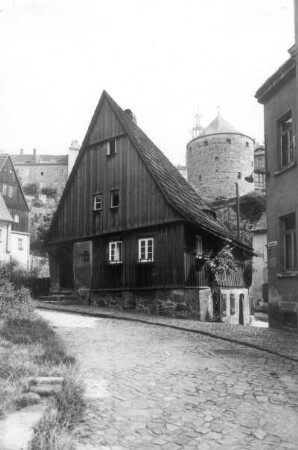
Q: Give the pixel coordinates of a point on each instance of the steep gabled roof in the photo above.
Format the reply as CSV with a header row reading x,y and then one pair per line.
x,y
3,159
176,190
5,215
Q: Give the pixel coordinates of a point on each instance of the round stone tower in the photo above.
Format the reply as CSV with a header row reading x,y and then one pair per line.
x,y
219,158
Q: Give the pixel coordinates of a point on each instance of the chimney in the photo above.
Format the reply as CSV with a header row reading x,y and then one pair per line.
x,y
73,152
131,115
21,151
34,155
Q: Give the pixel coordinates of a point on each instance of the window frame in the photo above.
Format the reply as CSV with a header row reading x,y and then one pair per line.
x,y
289,242
95,196
20,244
113,193
115,247
144,250
286,153
112,151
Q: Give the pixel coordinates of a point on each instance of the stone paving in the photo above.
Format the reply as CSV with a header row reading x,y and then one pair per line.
x,y
152,387
278,342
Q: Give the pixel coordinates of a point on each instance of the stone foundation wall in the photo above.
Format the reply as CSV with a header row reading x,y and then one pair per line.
x,y
183,303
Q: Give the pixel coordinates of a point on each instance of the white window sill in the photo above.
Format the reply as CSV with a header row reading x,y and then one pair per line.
x,y
290,274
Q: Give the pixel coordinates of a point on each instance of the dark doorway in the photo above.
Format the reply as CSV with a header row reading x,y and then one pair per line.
x,y
65,260
241,309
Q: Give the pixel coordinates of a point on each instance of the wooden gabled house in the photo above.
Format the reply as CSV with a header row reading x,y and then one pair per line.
x,y
14,215
131,229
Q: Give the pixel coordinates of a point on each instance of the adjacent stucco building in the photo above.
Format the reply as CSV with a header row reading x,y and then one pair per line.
x,y
279,96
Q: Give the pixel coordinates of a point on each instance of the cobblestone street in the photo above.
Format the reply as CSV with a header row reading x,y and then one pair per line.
x,y
152,387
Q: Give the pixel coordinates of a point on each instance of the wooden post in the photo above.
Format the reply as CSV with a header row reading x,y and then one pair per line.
x,y
238,210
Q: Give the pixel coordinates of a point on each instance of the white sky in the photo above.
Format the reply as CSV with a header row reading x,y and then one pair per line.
x,y
163,59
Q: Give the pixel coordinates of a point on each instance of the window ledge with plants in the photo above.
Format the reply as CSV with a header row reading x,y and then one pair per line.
x,y
285,169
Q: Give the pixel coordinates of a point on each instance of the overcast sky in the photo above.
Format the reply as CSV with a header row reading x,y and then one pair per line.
x,y
163,59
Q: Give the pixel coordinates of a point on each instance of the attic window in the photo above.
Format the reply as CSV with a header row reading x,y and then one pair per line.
x,y
97,202
205,142
229,141
16,218
115,199
111,148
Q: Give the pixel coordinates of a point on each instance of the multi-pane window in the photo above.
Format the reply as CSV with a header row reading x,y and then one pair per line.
x,y
146,250
114,199
288,228
286,141
9,191
20,244
115,252
4,189
111,147
97,202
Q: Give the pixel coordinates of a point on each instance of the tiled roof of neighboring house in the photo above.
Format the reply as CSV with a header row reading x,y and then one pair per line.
x,y
40,159
3,158
282,75
261,225
5,215
177,191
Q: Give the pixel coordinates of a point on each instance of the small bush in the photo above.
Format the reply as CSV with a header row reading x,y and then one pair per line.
x,y
15,304
49,191
31,189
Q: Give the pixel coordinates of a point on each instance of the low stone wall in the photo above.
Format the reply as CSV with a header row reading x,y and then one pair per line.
x,y
184,303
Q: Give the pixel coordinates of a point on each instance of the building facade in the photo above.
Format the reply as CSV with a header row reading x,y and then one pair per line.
x,y
14,216
130,229
260,168
46,170
219,158
279,97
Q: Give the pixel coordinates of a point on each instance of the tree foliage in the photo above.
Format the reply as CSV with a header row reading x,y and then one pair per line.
x,y
31,189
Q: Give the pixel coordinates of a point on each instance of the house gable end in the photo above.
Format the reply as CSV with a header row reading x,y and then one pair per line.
x,y
142,203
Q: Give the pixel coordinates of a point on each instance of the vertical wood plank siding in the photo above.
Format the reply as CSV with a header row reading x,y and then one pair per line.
x,y
165,271
141,202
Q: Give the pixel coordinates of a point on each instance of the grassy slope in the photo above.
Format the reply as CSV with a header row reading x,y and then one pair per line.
x,y
29,347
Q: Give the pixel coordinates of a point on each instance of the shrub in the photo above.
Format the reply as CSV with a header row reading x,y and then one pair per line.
x,y
31,189
49,191
15,304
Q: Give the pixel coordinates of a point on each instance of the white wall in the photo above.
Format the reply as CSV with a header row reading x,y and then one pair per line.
x,y
17,253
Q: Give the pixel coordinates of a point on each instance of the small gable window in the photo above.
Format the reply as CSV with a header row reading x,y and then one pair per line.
x,y
111,148
146,250
16,218
115,252
115,199
4,189
97,202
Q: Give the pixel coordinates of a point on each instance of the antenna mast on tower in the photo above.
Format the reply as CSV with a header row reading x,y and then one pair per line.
x,y
197,129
